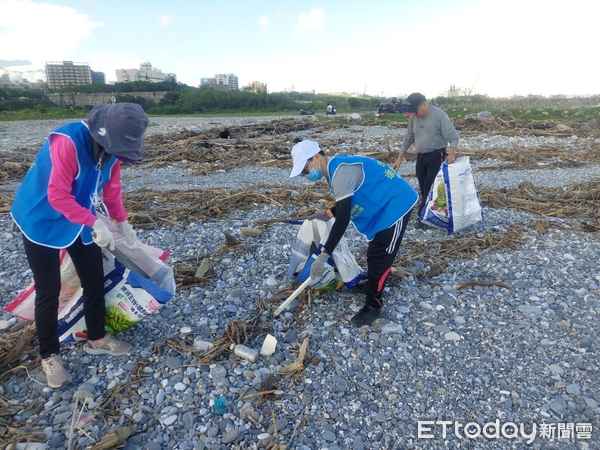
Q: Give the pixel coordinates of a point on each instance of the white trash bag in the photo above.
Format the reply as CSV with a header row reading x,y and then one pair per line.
x,y
129,295
453,201
344,270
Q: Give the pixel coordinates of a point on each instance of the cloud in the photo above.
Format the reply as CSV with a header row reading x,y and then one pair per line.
x,y
263,22
164,20
312,21
65,28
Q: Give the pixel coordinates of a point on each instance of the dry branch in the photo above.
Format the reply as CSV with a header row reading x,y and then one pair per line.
x,y
297,365
483,283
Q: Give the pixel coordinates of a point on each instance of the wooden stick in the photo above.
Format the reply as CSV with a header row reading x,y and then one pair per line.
x,y
278,220
245,397
295,294
484,283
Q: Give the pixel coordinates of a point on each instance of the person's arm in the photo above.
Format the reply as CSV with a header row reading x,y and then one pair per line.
x,y
409,138
451,155
398,161
112,194
63,172
342,219
450,135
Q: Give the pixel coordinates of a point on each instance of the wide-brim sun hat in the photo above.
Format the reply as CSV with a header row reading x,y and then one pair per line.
x,y
301,153
120,128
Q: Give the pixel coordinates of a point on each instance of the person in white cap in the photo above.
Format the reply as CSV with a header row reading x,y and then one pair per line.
x,y
374,198
55,209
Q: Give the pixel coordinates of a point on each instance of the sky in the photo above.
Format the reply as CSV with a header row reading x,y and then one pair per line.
x,y
387,48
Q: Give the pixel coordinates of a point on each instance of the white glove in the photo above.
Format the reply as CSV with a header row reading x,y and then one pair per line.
x,y
318,269
128,232
321,215
102,235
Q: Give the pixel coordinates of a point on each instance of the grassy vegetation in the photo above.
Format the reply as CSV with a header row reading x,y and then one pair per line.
x,y
455,112
581,114
48,113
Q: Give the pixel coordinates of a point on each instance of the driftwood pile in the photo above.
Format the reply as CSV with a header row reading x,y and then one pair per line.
x,y
269,145
580,201
474,125
156,207
16,350
542,158
436,254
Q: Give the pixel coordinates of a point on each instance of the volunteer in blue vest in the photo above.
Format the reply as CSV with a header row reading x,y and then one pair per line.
x,y
55,209
435,139
374,198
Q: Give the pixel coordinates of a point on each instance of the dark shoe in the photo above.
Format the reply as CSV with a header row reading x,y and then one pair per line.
x,y
420,226
361,288
366,316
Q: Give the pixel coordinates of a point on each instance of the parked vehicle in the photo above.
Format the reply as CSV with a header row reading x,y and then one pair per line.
x,y
307,111
395,106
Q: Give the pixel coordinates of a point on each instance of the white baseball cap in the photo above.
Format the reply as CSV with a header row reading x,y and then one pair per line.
x,y
301,153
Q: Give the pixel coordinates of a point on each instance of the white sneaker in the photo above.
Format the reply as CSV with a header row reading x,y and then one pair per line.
x,y
108,345
56,375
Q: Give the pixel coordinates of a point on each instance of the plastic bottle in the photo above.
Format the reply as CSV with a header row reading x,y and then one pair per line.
x,y
244,352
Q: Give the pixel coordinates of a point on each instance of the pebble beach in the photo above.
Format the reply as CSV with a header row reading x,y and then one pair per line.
x,y
444,368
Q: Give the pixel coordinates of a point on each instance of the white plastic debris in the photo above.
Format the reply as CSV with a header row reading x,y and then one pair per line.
x,y
269,345
201,345
245,352
28,446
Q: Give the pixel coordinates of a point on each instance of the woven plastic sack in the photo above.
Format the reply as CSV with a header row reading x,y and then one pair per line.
x,y
129,296
312,235
453,201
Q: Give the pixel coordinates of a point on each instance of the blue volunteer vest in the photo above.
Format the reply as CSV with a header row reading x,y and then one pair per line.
x,y
381,200
32,211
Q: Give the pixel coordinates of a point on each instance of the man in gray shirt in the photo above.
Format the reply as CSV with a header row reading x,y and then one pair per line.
x,y
431,130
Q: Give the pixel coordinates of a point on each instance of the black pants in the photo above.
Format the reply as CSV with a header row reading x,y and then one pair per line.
x,y
45,265
428,166
381,253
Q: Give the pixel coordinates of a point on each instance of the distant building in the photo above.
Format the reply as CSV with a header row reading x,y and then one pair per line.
x,y
145,73
98,78
67,73
257,86
4,78
229,79
221,82
213,83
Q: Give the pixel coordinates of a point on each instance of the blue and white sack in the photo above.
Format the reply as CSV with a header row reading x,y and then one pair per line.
x,y
311,237
453,201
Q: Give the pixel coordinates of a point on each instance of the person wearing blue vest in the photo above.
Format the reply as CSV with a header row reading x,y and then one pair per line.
x,y
55,209
374,198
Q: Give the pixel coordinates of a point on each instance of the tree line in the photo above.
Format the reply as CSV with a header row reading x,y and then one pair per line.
x,y
184,99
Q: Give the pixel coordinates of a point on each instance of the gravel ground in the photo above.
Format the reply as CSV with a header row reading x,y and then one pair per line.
x,y
487,356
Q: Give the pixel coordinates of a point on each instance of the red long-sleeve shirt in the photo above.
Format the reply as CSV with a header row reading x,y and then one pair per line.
x,y
64,170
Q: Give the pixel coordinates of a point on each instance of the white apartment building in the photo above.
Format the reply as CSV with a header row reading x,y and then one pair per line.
x,y
229,79
145,73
